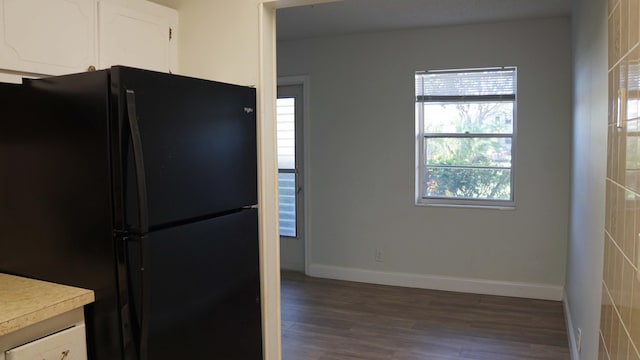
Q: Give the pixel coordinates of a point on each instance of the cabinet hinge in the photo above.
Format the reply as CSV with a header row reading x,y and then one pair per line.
x,y
170,33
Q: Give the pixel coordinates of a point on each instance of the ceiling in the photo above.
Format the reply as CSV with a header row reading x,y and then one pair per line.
x,y
353,16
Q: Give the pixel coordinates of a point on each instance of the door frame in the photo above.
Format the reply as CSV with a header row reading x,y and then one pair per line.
x,y
303,80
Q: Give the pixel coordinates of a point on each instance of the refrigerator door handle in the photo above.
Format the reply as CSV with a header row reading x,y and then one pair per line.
x,y
126,316
131,312
143,218
145,305
143,213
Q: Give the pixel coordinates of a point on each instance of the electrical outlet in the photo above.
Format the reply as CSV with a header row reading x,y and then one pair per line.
x,y
377,256
579,340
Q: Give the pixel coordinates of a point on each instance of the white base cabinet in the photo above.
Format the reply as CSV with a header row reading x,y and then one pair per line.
x,y
69,344
62,337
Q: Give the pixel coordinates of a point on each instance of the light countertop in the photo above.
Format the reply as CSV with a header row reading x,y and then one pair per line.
x,y
24,301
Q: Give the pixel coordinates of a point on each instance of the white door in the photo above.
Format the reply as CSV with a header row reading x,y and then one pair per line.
x,y
141,36
289,113
48,37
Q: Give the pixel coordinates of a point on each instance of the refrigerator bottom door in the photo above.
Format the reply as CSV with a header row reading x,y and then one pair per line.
x,y
202,284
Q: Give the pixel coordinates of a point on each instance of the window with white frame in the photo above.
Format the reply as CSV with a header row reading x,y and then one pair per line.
x,y
466,136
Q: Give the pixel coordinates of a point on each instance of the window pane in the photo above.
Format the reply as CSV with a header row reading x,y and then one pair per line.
x,y
489,152
465,183
287,203
286,127
478,117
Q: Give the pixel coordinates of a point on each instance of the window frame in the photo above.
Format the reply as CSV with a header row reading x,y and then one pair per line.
x,y
422,136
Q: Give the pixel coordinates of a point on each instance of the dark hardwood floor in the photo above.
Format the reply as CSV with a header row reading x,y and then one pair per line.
x,y
337,320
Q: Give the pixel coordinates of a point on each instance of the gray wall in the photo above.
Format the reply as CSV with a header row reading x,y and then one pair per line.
x,y
362,154
585,252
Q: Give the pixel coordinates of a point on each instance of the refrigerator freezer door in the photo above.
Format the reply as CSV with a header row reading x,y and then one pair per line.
x,y
198,296
198,141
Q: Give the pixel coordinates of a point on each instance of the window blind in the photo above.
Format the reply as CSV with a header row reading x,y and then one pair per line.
x,y
434,84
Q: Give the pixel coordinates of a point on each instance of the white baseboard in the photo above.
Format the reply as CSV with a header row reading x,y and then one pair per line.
x,y
573,349
446,283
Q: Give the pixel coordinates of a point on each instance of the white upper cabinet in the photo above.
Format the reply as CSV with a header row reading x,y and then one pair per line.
x,y
55,37
138,34
47,36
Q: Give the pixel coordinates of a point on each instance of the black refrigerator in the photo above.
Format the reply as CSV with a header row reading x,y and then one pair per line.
x,y
141,186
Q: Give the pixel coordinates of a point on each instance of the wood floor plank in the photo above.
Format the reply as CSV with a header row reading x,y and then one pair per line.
x,y
337,320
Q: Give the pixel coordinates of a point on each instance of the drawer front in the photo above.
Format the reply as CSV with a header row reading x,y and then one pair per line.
x,y
68,344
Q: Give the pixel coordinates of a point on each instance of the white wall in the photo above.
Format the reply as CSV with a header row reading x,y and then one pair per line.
x,y
586,252
361,193
219,40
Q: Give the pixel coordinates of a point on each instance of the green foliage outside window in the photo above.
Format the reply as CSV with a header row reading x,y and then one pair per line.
x,y
463,165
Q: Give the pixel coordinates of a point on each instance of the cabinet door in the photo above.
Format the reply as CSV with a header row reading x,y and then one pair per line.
x,y
50,37
137,34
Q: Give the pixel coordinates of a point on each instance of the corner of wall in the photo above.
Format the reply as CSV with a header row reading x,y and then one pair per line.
x,y
573,349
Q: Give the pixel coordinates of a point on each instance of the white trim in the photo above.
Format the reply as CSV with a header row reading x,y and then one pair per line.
x,y
268,185
436,282
573,349
306,153
420,199
281,4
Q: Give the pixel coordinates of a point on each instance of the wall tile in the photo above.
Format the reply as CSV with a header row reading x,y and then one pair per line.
x,y
613,201
633,82
624,68
611,98
634,321
611,5
630,215
602,352
607,276
620,309
610,143
624,26
614,212
606,318
634,17
617,278
613,344
614,36
621,118
621,153
626,292
632,161
623,343
607,206
618,234
633,246
615,92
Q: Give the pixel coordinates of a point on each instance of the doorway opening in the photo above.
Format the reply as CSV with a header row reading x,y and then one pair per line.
x,y
291,174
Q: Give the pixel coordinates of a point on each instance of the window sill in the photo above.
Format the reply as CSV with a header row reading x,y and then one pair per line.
x,y
467,206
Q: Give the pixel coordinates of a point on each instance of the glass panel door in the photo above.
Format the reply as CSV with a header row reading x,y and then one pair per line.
x,y
289,111
287,173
